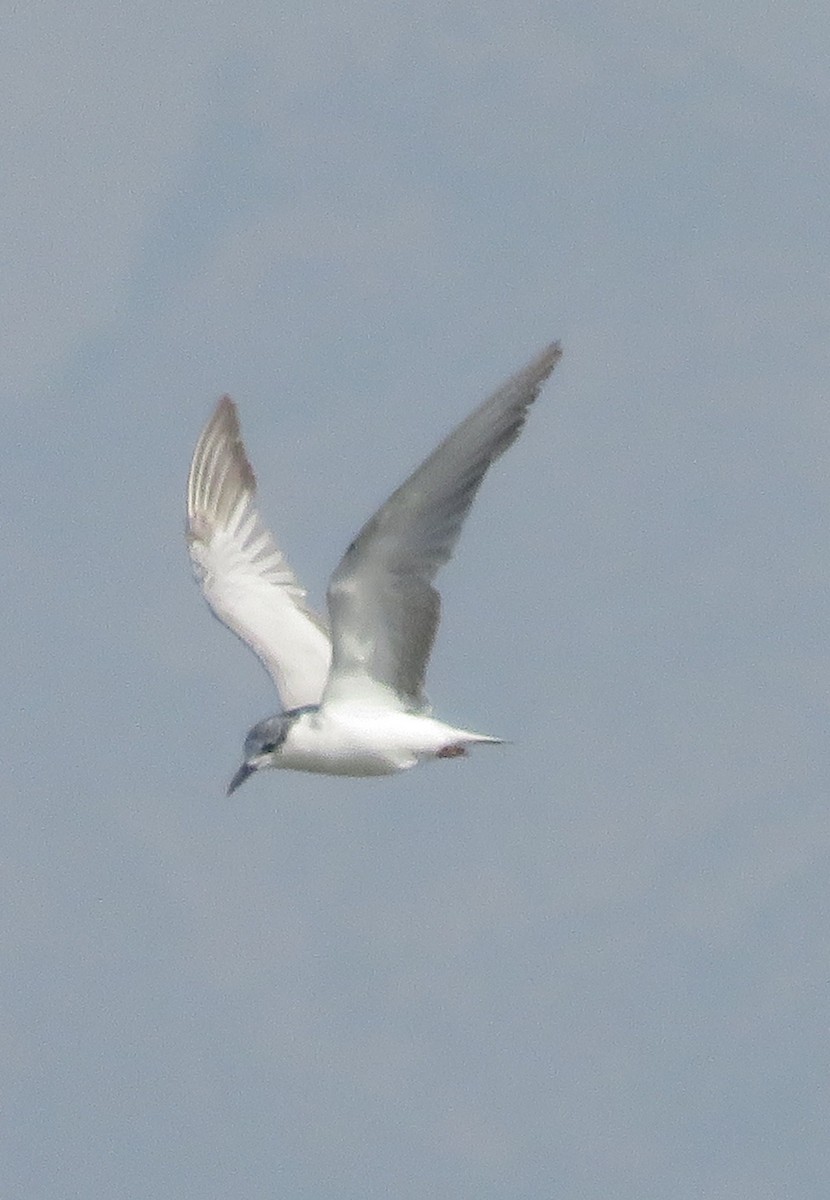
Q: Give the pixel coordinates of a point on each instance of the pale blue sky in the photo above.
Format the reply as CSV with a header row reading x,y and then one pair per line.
x,y
593,963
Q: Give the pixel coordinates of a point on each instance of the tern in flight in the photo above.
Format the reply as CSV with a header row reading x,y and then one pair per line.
x,y
352,689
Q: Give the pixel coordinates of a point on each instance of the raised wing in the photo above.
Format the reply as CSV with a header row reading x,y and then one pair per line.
x,y
245,579
384,610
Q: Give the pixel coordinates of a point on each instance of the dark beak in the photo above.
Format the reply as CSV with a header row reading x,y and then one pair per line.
x,y
241,775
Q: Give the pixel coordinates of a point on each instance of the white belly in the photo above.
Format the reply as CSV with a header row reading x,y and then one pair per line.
x,y
367,742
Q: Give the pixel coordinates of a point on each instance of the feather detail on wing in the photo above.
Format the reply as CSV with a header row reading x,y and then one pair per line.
x,y
244,577
384,610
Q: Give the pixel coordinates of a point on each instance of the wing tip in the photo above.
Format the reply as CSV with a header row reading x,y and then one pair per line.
x,y
230,416
541,366
208,481
554,351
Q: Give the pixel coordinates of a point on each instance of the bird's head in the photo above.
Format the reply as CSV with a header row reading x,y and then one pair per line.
x,y
262,748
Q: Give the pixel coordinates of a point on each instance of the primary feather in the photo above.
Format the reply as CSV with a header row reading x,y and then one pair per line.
x,y
244,577
383,608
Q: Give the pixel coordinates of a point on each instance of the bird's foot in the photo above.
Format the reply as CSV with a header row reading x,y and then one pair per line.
x,y
454,750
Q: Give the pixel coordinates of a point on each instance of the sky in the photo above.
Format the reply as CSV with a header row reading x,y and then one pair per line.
x,y
593,962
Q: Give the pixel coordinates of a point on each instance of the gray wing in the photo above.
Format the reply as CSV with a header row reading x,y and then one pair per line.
x,y
383,608
244,577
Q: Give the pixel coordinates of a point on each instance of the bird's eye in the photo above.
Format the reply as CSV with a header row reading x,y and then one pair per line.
x,y
269,747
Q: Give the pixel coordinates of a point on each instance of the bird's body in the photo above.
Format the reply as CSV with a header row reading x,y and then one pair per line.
x,y
353,694
363,742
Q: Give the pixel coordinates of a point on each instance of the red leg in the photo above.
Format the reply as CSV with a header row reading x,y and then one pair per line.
x,y
454,750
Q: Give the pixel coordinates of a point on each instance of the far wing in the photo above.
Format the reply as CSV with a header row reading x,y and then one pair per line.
x,y
384,610
245,579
